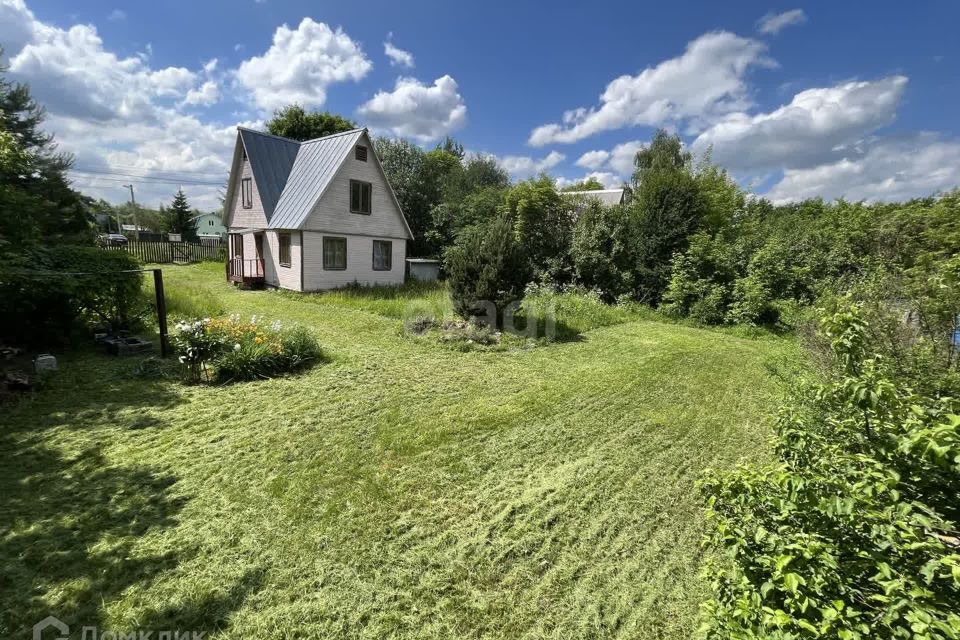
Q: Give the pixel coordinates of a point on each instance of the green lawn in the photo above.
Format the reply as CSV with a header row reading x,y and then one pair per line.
x,y
400,490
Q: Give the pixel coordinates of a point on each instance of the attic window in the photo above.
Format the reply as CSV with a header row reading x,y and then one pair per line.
x,y
360,194
361,153
246,193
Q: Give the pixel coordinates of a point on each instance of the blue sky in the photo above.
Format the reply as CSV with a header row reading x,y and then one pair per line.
x,y
832,99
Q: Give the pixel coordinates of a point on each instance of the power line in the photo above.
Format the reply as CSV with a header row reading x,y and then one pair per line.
x,y
126,177
138,168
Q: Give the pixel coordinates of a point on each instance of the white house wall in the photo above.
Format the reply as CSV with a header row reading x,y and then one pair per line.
x,y
332,211
359,262
254,217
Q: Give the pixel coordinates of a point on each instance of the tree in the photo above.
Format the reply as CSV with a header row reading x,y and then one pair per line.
x,y
664,153
179,218
35,194
670,207
603,249
297,124
486,265
543,225
590,184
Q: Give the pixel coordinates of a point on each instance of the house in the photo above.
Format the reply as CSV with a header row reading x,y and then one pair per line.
x,y
312,215
209,226
606,197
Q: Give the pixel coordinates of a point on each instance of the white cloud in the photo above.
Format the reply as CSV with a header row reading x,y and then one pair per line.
x,y
113,113
607,179
619,161
525,166
593,159
417,110
891,169
812,129
397,55
706,82
300,65
207,94
211,65
773,23
117,15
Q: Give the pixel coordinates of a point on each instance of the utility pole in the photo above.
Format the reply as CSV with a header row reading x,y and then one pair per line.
x,y
136,222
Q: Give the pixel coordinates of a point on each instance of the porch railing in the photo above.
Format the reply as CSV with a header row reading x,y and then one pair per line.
x,y
244,270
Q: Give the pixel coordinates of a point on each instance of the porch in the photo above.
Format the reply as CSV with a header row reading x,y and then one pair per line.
x,y
246,271
241,269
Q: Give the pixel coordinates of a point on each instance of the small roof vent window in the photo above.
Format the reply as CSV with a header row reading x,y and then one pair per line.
x,y
361,153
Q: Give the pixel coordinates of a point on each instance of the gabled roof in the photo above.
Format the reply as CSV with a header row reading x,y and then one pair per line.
x,y
271,158
608,197
316,164
291,176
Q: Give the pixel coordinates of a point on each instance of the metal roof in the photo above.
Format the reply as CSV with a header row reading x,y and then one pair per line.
x,y
271,158
608,197
316,163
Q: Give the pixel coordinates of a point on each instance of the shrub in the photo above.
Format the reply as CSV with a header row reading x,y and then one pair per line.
x,y
603,250
700,281
543,225
486,265
238,350
852,533
46,293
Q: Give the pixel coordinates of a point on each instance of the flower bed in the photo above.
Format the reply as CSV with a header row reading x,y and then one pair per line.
x,y
237,350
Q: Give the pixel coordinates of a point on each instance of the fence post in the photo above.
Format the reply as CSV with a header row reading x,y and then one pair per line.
x,y
161,310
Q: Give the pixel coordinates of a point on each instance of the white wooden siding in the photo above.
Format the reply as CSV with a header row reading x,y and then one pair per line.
x,y
332,212
274,274
359,262
253,217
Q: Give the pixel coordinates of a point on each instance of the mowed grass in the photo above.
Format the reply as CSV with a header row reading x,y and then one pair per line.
x,y
402,490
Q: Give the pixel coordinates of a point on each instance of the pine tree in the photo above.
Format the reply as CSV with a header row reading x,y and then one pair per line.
x,y
37,201
179,218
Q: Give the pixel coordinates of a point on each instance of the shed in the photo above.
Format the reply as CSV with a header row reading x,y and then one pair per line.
x,y
424,269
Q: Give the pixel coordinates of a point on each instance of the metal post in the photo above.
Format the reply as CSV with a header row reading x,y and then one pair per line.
x,y
161,310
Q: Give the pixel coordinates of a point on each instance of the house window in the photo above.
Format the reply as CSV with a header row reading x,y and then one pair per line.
x,y
246,191
382,255
210,223
284,240
334,254
361,153
360,196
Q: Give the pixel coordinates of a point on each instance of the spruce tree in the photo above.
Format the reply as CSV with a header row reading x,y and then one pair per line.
x,y
179,218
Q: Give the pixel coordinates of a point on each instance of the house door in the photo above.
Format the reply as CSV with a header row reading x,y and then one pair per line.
x,y
258,246
236,245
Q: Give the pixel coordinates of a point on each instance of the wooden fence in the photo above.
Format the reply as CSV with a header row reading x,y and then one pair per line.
x,y
176,252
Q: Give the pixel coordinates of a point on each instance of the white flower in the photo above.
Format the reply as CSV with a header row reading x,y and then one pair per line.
x,y
253,319
236,347
276,325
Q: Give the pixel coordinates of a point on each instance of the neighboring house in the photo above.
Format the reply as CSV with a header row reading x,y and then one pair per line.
x,y
312,215
209,225
606,197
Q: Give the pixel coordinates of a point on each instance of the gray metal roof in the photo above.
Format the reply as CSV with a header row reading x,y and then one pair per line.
x,y
317,161
608,197
271,158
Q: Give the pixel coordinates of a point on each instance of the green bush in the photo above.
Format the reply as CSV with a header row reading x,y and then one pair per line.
x,y
853,532
603,250
47,293
488,265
